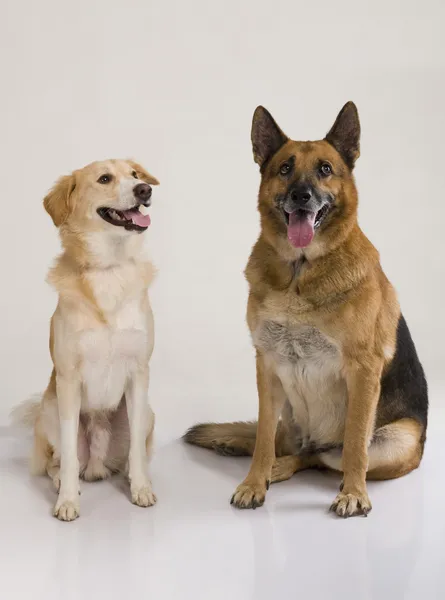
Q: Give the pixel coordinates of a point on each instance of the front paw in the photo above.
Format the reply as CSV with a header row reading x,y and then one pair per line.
x,y
67,510
143,496
351,504
249,495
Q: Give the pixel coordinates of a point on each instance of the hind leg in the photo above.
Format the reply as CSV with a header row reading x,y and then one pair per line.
x,y
98,432
53,471
119,446
396,450
41,452
286,466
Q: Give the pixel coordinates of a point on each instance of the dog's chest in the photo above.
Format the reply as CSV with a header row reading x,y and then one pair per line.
x,y
294,344
308,363
111,353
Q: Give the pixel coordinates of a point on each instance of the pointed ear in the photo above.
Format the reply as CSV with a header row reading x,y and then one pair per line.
x,y
142,173
58,202
267,137
345,134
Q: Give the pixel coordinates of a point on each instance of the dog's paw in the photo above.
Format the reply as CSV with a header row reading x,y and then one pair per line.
x,y
284,468
349,505
143,496
96,471
56,482
67,510
249,495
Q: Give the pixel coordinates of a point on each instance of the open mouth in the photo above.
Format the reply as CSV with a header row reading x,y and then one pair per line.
x,y
301,225
132,219
320,216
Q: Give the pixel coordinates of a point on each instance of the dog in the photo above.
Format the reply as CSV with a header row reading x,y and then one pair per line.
x,y
94,417
339,381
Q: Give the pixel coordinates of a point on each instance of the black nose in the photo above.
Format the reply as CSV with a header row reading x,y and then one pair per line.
x,y
301,195
142,192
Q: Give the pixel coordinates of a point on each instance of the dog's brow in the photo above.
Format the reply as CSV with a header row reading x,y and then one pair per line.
x,y
306,147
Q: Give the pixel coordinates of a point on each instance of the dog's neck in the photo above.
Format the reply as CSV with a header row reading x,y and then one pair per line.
x,y
96,251
100,272
317,275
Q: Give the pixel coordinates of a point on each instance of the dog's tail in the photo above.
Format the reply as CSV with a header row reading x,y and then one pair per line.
x,y
238,439
232,439
26,415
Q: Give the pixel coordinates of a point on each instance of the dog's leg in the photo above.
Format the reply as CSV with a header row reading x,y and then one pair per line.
x,y
68,398
41,454
396,449
363,384
252,492
286,466
99,432
139,414
53,471
51,422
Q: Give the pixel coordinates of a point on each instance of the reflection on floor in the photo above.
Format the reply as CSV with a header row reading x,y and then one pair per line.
x,y
193,544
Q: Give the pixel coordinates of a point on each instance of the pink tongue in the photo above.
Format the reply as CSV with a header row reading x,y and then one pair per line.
x,y
300,230
137,217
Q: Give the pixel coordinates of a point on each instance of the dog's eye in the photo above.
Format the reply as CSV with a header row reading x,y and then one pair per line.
x,y
285,168
105,178
326,169
134,174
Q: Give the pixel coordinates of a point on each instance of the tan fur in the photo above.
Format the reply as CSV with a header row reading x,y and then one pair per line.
x,y
59,202
101,280
330,303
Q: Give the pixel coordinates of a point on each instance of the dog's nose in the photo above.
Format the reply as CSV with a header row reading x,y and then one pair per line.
x,y
301,195
142,192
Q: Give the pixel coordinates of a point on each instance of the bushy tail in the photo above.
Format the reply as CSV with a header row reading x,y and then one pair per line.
x,y
26,413
238,439
230,439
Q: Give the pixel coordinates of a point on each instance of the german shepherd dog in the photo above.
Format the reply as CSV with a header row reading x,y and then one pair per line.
x,y
339,381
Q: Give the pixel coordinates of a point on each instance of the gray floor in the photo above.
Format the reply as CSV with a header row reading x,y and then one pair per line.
x,y
193,544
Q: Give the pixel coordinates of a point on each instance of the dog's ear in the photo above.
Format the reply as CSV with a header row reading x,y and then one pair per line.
x,y
58,202
142,173
345,134
266,136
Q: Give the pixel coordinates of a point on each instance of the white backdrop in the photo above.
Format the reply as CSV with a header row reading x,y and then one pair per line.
x,y
174,84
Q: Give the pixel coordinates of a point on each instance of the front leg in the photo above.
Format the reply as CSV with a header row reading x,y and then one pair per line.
x,y
68,400
363,384
140,421
252,492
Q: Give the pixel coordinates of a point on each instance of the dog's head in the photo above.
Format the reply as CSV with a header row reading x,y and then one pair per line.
x,y
110,195
306,187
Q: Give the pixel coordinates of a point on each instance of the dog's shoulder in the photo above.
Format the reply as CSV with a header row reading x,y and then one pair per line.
x,y
101,292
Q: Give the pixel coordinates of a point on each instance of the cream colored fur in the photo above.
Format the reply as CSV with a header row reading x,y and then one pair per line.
x,y
94,417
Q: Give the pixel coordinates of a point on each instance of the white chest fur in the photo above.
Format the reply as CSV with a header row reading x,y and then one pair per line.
x,y
308,364
110,355
108,352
